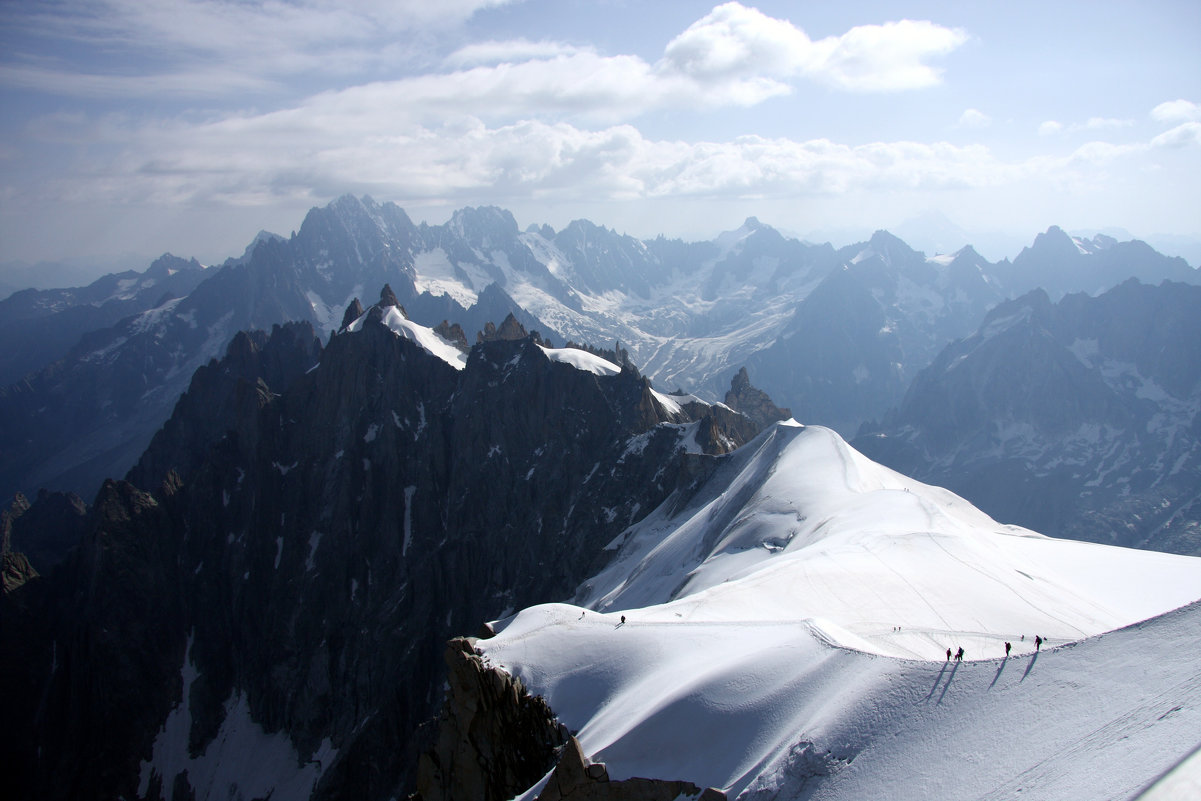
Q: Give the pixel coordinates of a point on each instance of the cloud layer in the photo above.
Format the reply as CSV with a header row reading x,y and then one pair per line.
x,y
272,102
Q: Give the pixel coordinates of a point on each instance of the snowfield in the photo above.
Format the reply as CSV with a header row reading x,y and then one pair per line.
x,y
785,636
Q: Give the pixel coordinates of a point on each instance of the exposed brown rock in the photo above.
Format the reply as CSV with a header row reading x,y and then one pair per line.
x,y
494,739
509,330
15,570
754,402
453,333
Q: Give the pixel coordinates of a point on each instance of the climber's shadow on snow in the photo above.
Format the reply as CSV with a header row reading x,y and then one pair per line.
x,y
1000,668
1033,659
938,680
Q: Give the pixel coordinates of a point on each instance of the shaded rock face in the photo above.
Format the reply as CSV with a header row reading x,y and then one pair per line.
x,y
256,364
91,653
1078,419
46,531
332,528
856,341
495,741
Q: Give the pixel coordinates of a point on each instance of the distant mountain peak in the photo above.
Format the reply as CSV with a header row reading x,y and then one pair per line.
x,y
470,222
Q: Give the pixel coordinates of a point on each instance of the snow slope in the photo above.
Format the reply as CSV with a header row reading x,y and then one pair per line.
x,y
424,337
582,360
797,525
786,632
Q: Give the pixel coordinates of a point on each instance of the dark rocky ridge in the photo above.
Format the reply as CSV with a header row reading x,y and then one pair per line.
x,y
332,528
45,531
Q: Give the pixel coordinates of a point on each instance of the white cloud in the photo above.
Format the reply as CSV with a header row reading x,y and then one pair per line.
x,y
1183,135
1052,128
886,57
175,43
494,52
1099,123
274,157
734,41
974,118
1176,111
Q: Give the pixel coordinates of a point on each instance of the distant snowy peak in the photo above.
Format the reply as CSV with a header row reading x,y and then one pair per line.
x,y
259,238
728,240
485,227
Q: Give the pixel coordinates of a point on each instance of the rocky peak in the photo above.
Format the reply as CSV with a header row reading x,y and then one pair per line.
x,y
168,264
485,226
1054,243
509,330
453,333
353,312
495,740
891,249
752,402
388,298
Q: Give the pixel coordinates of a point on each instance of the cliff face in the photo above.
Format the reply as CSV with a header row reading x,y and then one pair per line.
x,y
332,527
495,741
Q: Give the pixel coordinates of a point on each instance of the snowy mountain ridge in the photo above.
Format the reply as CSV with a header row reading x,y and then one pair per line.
x,y
785,633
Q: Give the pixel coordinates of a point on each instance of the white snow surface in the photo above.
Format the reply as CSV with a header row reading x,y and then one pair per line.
x,y
582,360
786,634
419,334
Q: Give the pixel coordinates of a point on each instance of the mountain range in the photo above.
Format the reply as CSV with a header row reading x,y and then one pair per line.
x,y
836,335
685,592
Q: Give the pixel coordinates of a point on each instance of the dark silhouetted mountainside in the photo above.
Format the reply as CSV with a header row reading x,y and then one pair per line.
x,y
316,523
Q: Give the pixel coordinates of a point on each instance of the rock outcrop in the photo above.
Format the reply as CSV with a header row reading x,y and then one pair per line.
x,y
495,741
753,402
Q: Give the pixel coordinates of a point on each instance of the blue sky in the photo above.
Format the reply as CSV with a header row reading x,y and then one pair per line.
x,y
140,126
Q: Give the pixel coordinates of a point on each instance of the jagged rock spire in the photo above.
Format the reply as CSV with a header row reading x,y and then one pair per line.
x,y
353,312
387,297
753,402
